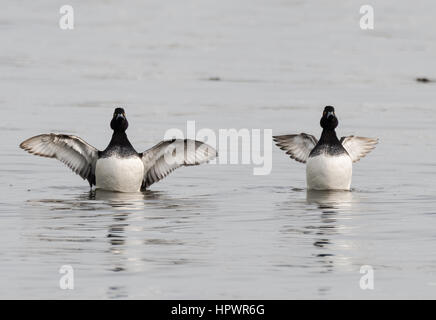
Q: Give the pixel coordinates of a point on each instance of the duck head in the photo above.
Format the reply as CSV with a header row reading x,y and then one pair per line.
x,y
329,120
119,121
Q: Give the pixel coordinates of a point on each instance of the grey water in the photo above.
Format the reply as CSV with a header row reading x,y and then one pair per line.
x,y
217,231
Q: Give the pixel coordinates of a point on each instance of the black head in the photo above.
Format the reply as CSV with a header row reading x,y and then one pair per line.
x,y
329,120
119,121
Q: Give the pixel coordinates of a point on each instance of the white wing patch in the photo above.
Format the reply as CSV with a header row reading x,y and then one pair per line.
x,y
78,155
297,146
166,156
358,147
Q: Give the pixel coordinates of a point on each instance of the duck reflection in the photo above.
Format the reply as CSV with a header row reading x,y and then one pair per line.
x,y
316,219
123,232
129,210
122,205
330,199
119,200
331,204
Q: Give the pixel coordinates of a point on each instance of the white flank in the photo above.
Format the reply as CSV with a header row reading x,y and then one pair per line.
x,y
325,172
119,174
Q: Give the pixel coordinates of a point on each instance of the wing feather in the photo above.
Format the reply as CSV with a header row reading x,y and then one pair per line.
x,y
358,147
166,156
74,152
297,146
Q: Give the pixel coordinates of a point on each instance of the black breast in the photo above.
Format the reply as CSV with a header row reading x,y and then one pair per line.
x,y
328,144
329,149
118,151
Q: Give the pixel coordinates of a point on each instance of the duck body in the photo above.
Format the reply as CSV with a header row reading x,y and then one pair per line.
x,y
326,172
119,174
329,166
329,161
120,167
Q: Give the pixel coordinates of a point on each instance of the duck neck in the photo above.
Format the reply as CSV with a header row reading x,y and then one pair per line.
x,y
119,138
329,136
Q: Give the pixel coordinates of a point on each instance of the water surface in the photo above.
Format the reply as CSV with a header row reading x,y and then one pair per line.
x,y
218,231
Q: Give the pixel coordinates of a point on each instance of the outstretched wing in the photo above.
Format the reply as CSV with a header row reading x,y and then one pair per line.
x,y
167,156
358,147
297,146
78,155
